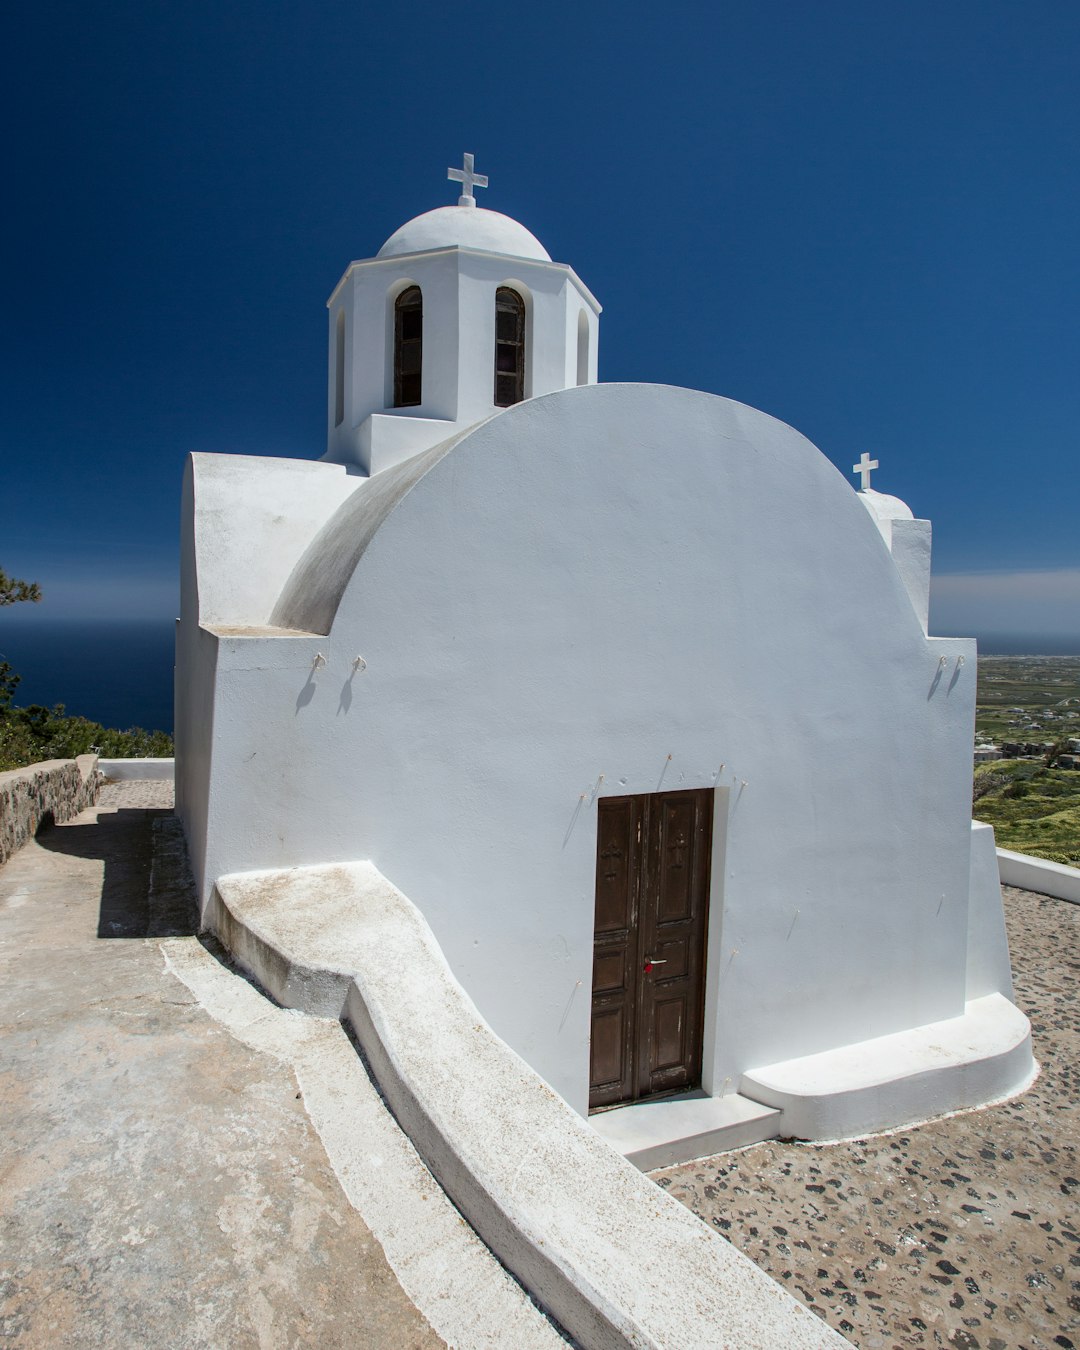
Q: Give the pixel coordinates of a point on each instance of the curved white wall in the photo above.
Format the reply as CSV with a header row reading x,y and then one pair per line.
x,y
667,589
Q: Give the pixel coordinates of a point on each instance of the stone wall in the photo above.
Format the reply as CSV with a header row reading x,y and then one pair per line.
x,y
56,789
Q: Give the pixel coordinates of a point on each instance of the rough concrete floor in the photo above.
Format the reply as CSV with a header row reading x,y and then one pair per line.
x,y
160,1183
961,1233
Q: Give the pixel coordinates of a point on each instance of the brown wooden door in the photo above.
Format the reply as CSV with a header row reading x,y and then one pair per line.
x,y
652,901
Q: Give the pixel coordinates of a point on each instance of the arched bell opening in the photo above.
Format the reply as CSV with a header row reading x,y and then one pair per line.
x,y
339,368
509,347
582,347
408,348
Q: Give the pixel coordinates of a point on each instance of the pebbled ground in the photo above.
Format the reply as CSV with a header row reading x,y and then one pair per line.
x,y
964,1232
139,794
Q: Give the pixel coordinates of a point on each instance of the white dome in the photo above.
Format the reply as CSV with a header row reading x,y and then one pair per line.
x,y
884,510
883,507
466,227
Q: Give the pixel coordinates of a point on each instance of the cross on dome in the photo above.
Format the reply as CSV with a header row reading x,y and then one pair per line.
x,y
863,467
468,180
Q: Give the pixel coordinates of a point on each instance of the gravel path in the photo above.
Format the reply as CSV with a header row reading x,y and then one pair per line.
x,y
961,1233
145,793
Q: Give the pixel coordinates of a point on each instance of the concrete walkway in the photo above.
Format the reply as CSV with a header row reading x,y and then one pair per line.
x,y
164,1183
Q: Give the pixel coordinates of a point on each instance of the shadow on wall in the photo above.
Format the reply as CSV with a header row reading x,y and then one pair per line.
x,y
345,698
137,899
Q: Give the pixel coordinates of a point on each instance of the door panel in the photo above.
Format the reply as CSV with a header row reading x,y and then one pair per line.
x,y
615,863
615,950
609,971
675,843
670,1023
652,891
608,1043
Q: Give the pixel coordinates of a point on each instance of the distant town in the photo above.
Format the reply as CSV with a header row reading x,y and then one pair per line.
x,y
1021,695
1027,754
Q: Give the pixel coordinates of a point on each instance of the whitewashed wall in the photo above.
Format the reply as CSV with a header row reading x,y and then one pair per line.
x,y
245,521
655,586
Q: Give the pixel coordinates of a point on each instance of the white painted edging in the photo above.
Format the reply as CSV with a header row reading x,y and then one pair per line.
x,y
615,1259
123,770
1036,874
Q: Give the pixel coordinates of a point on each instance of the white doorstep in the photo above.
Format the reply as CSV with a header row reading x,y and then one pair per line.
x,y
674,1130
982,1056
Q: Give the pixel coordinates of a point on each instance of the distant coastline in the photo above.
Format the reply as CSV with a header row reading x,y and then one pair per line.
x,y
1005,644
120,672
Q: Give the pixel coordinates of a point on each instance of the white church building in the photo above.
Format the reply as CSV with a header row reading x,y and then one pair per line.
x,y
625,688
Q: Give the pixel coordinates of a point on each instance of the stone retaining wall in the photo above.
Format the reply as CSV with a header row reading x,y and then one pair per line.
x,y
57,788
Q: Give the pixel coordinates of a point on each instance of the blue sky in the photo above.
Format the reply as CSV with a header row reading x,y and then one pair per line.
x,y
861,217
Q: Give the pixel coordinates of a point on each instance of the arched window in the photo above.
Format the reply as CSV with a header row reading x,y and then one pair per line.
x,y
509,347
408,347
582,347
339,369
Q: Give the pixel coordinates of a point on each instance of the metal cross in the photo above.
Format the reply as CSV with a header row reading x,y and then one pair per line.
x,y
468,181
863,467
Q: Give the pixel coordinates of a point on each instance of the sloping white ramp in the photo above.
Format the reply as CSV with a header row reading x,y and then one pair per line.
x,y
613,1258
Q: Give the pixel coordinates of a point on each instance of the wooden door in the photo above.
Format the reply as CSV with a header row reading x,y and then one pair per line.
x,y
652,901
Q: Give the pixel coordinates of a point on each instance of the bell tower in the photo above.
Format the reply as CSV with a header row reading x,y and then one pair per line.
x,y
461,313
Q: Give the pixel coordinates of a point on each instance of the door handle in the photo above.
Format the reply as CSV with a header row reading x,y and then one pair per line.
x,y
650,963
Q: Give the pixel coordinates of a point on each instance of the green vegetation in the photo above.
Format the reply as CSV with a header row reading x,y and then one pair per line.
x,y
12,591
1033,809
29,735
1033,805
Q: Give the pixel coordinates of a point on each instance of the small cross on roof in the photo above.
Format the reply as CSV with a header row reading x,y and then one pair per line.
x,y
863,467
468,180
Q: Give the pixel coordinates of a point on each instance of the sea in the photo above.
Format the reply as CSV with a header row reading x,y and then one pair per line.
x,y
121,674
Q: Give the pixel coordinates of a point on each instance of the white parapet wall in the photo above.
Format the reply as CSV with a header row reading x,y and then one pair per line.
x,y
1036,874
123,770
617,1261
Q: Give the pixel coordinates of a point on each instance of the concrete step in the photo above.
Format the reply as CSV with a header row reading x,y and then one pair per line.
x,y
674,1130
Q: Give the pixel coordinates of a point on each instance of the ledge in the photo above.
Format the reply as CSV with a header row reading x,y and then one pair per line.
x,y
257,630
614,1259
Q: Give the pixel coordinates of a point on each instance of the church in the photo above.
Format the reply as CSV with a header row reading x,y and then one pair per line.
x,y
626,689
